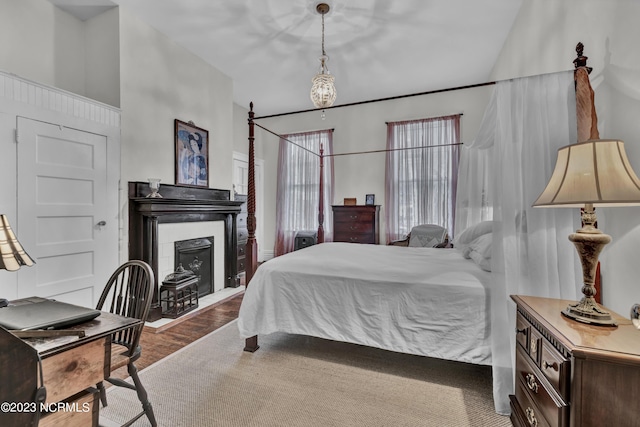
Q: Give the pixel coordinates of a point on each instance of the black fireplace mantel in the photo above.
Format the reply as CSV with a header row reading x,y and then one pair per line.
x,y
177,205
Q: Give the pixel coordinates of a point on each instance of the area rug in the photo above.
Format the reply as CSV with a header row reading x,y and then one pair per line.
x,y
295,380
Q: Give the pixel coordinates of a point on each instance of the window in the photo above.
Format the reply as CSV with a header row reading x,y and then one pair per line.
x,y
421,172
299,185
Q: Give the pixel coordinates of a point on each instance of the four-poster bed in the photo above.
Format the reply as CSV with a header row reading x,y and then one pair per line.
x,y
443,285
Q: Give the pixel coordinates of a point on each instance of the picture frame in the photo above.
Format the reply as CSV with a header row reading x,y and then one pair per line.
x,y
370,199
192,155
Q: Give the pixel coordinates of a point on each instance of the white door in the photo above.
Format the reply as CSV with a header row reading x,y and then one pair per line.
x,y
62,185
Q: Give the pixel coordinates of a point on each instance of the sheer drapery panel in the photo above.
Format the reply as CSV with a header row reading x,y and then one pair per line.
x,y
502,172
298,187
421,174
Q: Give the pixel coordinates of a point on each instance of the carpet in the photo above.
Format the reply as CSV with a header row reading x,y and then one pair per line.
x,y
297,380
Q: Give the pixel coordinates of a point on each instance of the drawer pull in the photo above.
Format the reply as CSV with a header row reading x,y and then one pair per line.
x,y
353,239
353,216
522,331
547,365
531,417
531,383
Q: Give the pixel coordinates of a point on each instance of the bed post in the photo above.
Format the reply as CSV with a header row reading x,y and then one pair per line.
x,y
251,344
587,122
585,105
321,200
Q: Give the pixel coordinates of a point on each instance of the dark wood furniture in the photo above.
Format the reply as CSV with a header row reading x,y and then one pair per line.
x,y
573,374
242,233
73,365
356,224
177,205
128,293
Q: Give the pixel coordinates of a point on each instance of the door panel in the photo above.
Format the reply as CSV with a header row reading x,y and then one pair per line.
x,y
62,193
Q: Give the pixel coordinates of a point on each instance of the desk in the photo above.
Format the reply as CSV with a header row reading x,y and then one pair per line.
x,y
70,365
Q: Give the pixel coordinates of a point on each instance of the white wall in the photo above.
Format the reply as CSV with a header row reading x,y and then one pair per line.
x,y
160,82
42,43
362,128
543,40
116,59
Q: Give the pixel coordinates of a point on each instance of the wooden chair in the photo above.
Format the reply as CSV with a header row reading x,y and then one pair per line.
x,y
128,292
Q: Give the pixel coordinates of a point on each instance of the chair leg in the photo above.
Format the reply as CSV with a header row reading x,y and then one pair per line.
x,y
103,393
142,394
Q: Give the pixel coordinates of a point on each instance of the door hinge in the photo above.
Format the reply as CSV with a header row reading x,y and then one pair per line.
x,y
16,133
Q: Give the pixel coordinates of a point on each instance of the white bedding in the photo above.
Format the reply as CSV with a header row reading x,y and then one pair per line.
x,y
424,301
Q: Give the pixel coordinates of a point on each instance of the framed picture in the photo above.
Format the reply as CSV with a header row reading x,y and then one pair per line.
x,y
192,155
370,199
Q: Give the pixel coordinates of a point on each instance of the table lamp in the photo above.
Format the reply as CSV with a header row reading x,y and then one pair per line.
x,y
589,174
13,256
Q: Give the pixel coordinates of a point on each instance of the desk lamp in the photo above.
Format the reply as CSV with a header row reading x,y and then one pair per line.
x,y
588,174
13,255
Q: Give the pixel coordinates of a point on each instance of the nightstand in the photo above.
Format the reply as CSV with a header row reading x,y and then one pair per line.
x,y
573,374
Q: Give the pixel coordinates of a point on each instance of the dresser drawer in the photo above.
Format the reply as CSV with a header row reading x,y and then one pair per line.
x,y
80,410
354,237
68,373
353,216
540,392
523,332
530,410
350,228
556,369
243,234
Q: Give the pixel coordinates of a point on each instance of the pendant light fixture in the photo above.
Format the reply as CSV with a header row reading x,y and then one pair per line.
x,y
323,91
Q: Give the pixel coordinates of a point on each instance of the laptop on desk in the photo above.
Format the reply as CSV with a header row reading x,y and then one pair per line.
x,y
45,314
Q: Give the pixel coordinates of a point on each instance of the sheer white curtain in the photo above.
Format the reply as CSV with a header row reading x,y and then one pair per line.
x,y
299,186
502,172
421,173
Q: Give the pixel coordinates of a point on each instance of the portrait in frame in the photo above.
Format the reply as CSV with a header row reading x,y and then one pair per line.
x,y
192,155
370,199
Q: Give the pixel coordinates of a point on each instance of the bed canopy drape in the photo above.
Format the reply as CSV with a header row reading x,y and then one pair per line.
x,y
501,173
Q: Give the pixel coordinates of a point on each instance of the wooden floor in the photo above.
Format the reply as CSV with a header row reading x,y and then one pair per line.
x,y
157,345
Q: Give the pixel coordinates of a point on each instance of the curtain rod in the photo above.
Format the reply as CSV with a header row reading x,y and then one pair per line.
x,y
424,119
430,92
380,99
392,149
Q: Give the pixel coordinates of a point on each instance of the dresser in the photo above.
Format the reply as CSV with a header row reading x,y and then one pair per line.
x,y
573,374
242,234
356,224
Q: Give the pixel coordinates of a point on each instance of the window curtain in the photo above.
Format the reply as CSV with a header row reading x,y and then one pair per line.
x,y
502,172
299,186
421,182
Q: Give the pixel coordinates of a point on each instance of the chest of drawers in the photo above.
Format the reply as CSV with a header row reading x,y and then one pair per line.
x,y
356,224
573,374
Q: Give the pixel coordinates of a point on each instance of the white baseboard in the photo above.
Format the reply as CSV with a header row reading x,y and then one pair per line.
x,y
267,255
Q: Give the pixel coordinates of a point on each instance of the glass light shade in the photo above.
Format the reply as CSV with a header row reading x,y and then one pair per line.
x,y
323,90
594,172
13,256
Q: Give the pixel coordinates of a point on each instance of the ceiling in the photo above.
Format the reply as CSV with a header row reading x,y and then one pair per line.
x,y
377,48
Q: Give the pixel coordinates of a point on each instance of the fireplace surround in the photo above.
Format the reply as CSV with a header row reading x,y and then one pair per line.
x,y
178,205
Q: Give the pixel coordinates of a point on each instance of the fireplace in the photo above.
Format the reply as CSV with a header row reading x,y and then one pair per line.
x,y
180,206
197,255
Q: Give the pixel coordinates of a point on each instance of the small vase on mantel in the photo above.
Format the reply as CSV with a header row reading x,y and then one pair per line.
x,y
154,185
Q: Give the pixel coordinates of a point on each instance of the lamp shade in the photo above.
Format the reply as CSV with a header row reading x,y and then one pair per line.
x,y
13,256
594,172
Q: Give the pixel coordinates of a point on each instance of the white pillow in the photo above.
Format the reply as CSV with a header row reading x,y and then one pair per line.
x,y
472,233
480,251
